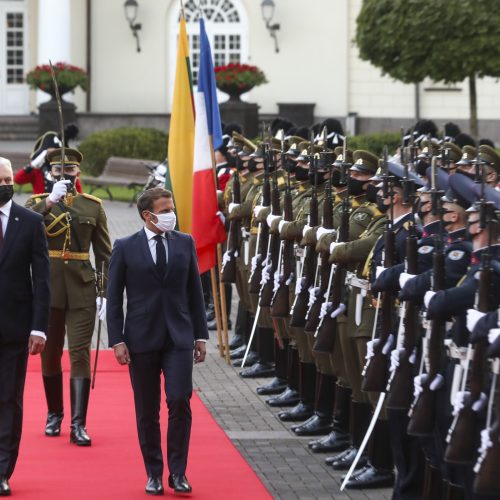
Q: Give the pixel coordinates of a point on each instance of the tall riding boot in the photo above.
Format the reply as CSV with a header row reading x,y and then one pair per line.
x,y
265,348
238,338
290,396
359,421
433,483
339,438
239,352
80,391
305,407
278,383
379,471
321,422
54,395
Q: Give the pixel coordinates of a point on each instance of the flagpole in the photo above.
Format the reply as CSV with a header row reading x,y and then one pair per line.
x,y
215,296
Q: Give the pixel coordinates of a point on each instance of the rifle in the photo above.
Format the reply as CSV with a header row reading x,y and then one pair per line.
x,y
280,307
327,328
100,294
463,436
375,370
60,114
422,412
307,278
401,379
228,272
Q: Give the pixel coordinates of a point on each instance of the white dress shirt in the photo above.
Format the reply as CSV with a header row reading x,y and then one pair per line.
x,y
4,217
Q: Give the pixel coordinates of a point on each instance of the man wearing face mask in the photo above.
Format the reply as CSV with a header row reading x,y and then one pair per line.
x,y
24,310
73,223
490,161
163,331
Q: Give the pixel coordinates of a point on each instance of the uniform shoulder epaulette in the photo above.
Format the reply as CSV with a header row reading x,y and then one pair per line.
x,y
93,198
407,225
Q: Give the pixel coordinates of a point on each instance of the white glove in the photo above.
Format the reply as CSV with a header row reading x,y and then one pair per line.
x,y
473,317
39,160
59,190
255,262
404,277
266,274
304,231
101,307
485,442
480,403
493,334
281,225
232,206
257,209
226,258
428,297
340,310
461,398
271,218
437,382
290,279
221,216
418,383
379,271
322,231
277,280
370,348
299,285
395,358
324,309
334,244
388,344
313,294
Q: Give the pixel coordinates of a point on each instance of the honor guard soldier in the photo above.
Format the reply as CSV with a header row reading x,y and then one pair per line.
x,y
74,223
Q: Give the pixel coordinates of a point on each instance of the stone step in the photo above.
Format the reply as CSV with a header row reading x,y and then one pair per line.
x,y
18,128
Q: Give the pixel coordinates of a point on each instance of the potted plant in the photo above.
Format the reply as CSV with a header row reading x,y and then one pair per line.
x,y
236,79
68,77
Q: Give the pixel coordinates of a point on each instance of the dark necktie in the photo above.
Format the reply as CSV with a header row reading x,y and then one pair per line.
x,y
161,255
1,232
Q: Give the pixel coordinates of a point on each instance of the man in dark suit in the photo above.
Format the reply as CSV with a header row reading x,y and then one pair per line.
x,y
165,322
24,311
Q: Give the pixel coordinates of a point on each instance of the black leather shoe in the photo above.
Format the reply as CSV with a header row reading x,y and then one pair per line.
x,y
317,425
212,325
236,341
301,411
289,397
210,312
258,370
154,486
337,440
370,477
79,393
252,358
4,487
53,425
344,460
276,386
239,352
179,483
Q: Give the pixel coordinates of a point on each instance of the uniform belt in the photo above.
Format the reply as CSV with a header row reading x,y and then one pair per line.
x,y
455,352
59,254
353,280
254,230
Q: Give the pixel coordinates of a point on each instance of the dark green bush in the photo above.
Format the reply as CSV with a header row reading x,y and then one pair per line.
x,y
375,142
129,142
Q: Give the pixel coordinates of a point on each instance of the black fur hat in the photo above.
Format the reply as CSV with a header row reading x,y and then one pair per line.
x,y
464,139
451,130
487,142
281,124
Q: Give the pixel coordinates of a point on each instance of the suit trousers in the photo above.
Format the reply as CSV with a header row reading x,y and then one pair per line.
x,y
79,324
13,363
145,375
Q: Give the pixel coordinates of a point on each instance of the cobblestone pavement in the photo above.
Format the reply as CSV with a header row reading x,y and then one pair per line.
x,y
282,460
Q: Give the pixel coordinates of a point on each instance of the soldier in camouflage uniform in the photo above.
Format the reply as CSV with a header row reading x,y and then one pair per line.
x,y
74,223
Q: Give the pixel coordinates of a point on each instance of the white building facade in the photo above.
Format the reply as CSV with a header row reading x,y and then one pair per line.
x,y
317,61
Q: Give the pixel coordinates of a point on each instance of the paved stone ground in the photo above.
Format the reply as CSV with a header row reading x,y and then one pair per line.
x,y
282,460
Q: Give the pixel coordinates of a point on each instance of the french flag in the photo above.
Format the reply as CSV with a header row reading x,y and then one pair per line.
x,y
207,227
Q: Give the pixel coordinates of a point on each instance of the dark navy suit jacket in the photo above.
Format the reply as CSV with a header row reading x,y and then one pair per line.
x,y
24,276
160,311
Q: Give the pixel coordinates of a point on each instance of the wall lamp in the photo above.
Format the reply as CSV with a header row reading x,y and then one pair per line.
x,y
131,7
267,7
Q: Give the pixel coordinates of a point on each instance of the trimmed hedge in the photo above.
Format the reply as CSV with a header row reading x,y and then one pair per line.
x,y
129,142
375,142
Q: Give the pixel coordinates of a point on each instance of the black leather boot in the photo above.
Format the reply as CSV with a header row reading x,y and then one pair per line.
x,y
339,438
252,358
276,386
289,397
433,483
80,391
304,408
258,370
238,352
54,395
236,341
301,411
316,425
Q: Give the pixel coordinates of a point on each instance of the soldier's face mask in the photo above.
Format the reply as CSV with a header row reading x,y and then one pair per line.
x,y
371,193
252,165
421,167
317,179
336,175
423,208
6,193
446,218
355,186
381,205
301,174
473,228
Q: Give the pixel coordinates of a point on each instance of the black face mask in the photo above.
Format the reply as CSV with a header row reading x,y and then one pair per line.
x,y
70,178
446,222
316,179
301,174
291,167
421,167
355,186
232,162
380,204
371,193
6,193
467,230
336,178
421,214
252,166
472,177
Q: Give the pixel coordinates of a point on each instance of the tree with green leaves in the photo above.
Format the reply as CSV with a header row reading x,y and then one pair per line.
x,y
446,40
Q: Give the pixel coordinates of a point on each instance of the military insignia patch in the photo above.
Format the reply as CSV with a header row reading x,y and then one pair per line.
x,y
425,249
360,216
456,254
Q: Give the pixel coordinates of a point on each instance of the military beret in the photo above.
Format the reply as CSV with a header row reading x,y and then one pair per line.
x,y
71,156
490,156
428,149
468,155
364,161
451,152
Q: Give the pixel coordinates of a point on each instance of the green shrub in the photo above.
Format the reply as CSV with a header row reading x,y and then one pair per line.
x,y
128,142
375,142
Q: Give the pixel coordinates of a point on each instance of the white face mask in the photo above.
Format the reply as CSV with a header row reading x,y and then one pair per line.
x,y
166,222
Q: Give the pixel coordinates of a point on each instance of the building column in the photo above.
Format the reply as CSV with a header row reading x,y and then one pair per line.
x,y
54,37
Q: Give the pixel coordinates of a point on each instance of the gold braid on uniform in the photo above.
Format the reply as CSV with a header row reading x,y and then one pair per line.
x,y
65,227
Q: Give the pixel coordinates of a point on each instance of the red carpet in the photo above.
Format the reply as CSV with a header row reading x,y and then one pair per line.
x,y
112,468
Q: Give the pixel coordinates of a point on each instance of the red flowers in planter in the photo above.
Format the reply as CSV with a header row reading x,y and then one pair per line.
x,y
241,76
68,77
